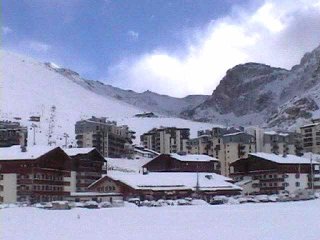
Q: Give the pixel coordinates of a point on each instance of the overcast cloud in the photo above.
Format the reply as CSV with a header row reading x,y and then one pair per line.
x,y
277,33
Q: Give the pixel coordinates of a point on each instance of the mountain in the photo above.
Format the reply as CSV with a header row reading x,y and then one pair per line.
x,y
148,101
29,88
257,94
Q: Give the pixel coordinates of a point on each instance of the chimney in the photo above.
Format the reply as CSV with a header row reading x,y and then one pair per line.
x,y
23,148
145,171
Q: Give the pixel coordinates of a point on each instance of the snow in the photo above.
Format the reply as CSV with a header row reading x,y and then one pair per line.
x,y
127,165
171,181
76,151
81,194
267,221
32,152
31,88
193,157
289,159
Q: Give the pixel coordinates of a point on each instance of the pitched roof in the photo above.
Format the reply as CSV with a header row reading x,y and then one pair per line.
x,y
31,153
76,151
193,157
171,181
289,159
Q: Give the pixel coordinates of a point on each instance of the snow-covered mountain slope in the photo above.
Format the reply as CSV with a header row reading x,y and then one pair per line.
x,y
257,94
32,88
148,101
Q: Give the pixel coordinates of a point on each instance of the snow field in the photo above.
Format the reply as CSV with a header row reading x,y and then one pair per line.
x,y
269,221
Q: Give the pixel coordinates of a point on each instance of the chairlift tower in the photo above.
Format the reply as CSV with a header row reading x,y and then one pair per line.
x,y
51,124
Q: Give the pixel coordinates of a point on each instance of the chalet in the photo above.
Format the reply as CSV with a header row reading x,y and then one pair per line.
x,y
35,174
88,164
165,185
267,173
183,163
95,196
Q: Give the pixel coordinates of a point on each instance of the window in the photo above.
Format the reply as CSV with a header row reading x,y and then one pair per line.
x,y
1,177
297,184
297,175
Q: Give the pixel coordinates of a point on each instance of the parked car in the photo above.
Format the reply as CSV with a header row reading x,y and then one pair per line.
x,y
91,205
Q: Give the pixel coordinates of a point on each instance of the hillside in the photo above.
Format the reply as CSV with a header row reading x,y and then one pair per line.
x,y
257,94
148,101
32,88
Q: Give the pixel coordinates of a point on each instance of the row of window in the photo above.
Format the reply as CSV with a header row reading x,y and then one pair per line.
x,y
106,189
40,188
41,177
274,184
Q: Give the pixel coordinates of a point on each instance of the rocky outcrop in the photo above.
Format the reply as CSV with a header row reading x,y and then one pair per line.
x,y
262,95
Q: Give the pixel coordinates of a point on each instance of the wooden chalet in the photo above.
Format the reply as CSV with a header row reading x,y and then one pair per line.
x,y
183,163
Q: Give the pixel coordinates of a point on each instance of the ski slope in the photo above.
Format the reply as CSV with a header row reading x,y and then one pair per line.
x,y
30,88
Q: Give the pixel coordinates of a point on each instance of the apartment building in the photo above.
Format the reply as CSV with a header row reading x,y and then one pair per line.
x,y
166,140
88,163
12,133
234,146
108,138
175,162
35,174
46,173
277,142
311,136
268,173
225,144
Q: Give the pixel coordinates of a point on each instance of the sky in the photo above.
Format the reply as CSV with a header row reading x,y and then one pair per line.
x,y
176,47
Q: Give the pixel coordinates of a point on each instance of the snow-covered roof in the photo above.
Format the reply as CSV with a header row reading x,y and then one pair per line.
x,y
270,133
193,157
289,159
126,165
76,151
85,194
31,153
309,155
172,181
233,134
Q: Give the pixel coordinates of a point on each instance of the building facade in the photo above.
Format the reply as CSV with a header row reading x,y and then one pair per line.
x,y
12,133
183,163
88,163
267,173
166,140
108,138
166,185
35,174
277,142
311,136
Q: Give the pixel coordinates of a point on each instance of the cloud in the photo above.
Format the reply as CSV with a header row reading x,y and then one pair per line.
x,y
277,33
6,30
38,46
133,35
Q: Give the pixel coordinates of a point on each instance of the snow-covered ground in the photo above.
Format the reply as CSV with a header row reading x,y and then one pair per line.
x,y
29,88
269,221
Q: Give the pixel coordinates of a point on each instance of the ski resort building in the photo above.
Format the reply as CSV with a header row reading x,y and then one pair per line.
x,y
166,139
88,164
109,139
277,142
267,173
175,162
35,174
12,133
164,185
311,136
45,173
225,144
